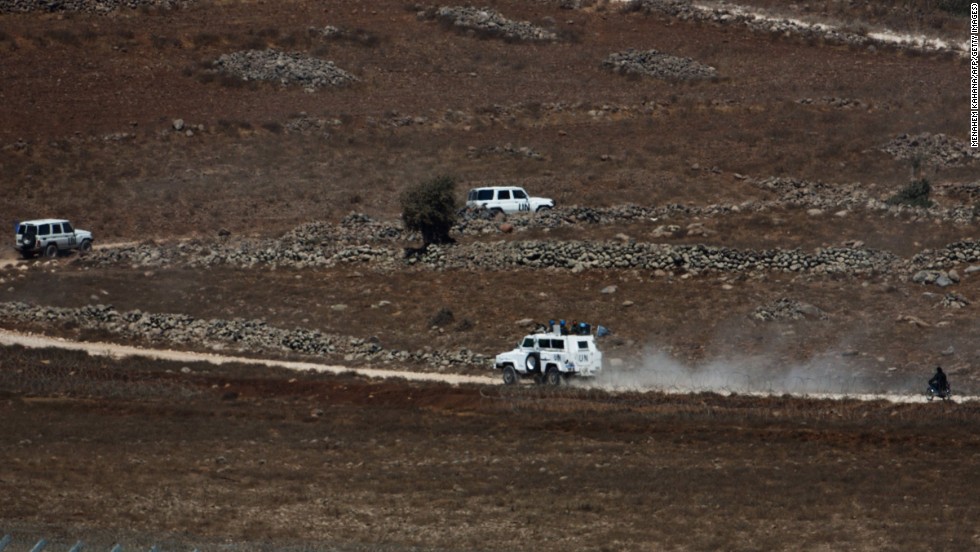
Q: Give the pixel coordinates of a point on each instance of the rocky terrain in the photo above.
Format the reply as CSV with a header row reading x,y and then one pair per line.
x,y
760,201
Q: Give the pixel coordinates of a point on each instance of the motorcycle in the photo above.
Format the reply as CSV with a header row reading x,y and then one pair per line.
x,y
933,392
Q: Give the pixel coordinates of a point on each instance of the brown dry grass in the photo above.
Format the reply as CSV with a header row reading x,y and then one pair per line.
x,y
339,463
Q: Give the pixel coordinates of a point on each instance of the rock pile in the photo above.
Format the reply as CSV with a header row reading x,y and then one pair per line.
x,y
932,149
286,68
357,36
852,196
246,335
354,228
358,239
303,123
954,301
787,309
488,22
90,6
567,255
657,64
506,150
833,101
696,259
798,192
957,253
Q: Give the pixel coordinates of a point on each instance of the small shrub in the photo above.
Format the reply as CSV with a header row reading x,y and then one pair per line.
x,y
430,208
205,77
915,194
273,127
255,43
161,42
203,40
442,318
269,32
229,81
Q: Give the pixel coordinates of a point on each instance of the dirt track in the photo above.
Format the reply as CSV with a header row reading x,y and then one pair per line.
x,y
610,383
8,338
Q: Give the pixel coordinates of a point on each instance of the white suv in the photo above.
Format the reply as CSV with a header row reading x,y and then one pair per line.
x,y
552,357
507,199
50,237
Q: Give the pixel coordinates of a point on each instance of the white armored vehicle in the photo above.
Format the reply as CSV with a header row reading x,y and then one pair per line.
x,y
552,357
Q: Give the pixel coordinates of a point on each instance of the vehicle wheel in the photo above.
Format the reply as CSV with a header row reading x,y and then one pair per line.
x,y
553,377
51,251
27,254
532,363
542,209
510,375
85,248
496,212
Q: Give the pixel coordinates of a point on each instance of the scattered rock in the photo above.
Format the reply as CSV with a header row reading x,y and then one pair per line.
x,y
913,320
442,318
787,309
88,6
933,149
659,65
286,68
954,301
489,23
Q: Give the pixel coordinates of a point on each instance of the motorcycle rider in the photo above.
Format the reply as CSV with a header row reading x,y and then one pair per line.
x,y
939,382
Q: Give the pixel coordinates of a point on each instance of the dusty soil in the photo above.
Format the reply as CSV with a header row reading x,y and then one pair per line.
x,y
142,452
196,455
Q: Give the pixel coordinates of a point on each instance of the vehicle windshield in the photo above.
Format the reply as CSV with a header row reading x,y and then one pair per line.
x,y
27,229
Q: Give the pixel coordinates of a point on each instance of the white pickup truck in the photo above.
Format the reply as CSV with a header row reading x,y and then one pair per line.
x,y
551,358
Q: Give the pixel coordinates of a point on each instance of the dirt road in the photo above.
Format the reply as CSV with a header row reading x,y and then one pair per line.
x,y
8,337
119,351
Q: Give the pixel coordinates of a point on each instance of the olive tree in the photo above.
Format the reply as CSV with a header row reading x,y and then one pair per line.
x,y
430,208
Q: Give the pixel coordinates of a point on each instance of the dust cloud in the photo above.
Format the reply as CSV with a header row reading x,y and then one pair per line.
x,y
829,374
